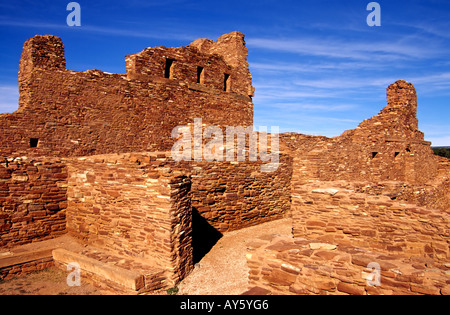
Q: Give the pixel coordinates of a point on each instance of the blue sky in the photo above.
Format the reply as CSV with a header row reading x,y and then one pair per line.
x,y
317,67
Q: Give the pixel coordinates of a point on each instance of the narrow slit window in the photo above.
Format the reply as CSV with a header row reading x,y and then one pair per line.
x,y
226,82
200,75
168,69
34,142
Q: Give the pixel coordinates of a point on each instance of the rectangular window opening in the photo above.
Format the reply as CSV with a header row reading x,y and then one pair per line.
x,y
168,69
374,154
397,154
226,82
34,142
200,75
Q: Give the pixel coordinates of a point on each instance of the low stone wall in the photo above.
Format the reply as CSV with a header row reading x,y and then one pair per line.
x,y
434,195
15,264
235,195
333,212
134,206
139,204
32,200
299,266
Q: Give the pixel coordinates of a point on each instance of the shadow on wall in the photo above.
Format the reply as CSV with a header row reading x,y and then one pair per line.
x,y
204,236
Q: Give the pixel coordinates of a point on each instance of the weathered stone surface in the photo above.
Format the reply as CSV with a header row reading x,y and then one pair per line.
x,y
32,200
327,191
359,219
126,278
257,291
350,288
323,246
337,273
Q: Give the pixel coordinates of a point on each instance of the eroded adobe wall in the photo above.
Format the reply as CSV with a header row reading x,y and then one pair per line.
x,y
70,113
32,200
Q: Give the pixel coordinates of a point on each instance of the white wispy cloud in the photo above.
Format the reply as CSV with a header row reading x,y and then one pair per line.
x,y
399,49
345,83
433,82
435,27
138,31
308,67
273,93
305,106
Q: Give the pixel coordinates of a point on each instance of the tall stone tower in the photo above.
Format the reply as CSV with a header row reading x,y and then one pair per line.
x,y
39,52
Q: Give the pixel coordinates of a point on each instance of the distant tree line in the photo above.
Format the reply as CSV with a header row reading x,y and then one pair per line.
x,y
445,152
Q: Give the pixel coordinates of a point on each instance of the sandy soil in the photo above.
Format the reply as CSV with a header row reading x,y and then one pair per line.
x,y
222,271
51,281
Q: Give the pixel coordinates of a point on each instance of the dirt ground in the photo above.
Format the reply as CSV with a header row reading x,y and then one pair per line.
x,y
222,271
51,281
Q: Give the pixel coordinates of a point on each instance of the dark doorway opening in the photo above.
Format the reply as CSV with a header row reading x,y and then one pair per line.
x,y
34,142
226,82
200,75
168,69
204,236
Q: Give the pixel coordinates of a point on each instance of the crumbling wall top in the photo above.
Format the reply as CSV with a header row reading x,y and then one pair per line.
x,y
44,52
221,65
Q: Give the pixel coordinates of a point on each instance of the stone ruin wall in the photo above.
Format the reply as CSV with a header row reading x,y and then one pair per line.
x,y
33,200
334,213
290,266
132,203
386,147
69,113
139,210
64,113
376,193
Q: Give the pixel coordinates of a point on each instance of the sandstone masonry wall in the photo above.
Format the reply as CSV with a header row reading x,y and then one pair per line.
x,y
332,212
299,266
234,195
139,211
139,204
142,205
386,147
33,200
69,113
